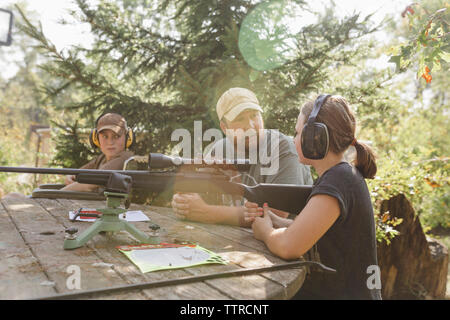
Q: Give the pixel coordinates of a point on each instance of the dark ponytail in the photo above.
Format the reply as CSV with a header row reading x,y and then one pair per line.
x,y
335,113
365,160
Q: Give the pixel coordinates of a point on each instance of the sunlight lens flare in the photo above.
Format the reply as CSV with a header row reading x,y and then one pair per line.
x,y
268,34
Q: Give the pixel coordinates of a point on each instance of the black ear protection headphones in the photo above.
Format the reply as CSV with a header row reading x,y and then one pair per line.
x,y
315,139
95,142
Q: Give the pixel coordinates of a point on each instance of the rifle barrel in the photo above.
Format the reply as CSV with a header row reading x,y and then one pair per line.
x,y
66,171
159,160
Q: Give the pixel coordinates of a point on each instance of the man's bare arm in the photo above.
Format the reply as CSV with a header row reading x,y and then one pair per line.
x,y
192,207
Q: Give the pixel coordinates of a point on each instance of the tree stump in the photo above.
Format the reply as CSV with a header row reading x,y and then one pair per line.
x,y
413,266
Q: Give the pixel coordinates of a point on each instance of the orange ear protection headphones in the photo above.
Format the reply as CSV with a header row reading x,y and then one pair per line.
x,y
95,142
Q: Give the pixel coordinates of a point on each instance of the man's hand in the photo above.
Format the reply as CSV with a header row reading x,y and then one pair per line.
x,y
262,227
190,206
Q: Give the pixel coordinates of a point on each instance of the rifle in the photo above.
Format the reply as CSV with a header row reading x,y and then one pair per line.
x,y
185,175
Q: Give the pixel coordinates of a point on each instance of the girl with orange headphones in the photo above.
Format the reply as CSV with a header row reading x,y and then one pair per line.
x,y
113,137
338,216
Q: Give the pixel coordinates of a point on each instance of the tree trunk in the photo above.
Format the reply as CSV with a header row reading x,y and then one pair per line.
x,y
413,266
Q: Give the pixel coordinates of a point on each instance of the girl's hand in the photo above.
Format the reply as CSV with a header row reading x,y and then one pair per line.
x,y
262,226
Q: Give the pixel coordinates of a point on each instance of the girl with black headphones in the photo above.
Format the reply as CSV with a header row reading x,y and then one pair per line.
x,y
113,137
338,216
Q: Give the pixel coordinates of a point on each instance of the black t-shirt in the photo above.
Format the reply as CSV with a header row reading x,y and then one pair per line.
x,y
349,246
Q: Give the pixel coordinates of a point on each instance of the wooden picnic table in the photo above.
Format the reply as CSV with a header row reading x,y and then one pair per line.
x,y
33,263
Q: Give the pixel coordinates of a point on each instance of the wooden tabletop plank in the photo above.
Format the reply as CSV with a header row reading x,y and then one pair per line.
x,y
104,246
239,234
21,275
104,266
45,236
241,242
242,249
182,231
191,232
279,284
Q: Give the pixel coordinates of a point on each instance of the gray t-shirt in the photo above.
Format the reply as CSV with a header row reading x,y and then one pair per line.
x,y
277,160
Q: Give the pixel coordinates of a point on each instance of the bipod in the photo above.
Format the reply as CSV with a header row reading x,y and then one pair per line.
x,y
108,221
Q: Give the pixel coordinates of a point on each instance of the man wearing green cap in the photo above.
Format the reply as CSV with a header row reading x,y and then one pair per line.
x,y
240,116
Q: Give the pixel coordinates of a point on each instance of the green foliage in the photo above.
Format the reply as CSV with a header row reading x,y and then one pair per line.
x,y
385,227
22,106
427,43
411,134
68,137
413,159
406,122
163,65
426,187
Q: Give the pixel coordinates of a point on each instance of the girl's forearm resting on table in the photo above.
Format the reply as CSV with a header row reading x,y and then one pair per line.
x,y
275,241
308,227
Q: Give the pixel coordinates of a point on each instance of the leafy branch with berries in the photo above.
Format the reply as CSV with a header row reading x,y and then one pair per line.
x,y
427,47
